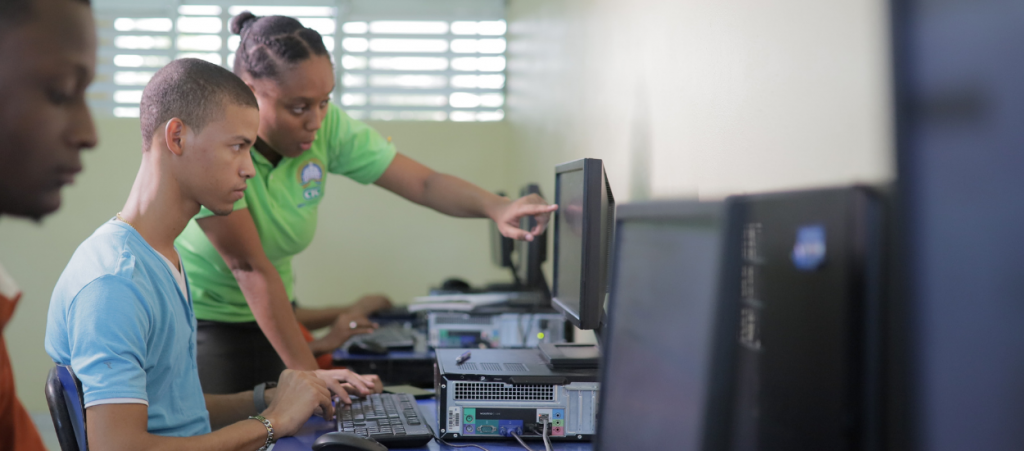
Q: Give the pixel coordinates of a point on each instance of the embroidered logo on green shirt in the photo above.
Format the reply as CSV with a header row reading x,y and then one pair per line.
x,y
311,175
313,171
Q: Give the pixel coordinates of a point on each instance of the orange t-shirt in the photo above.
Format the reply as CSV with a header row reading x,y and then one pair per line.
x,y
324,360
17,433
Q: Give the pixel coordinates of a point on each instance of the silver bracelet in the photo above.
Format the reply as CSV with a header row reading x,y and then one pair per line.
x,y
270,431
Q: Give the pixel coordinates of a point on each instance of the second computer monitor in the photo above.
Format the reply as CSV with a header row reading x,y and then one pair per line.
x,y
664,374
583,233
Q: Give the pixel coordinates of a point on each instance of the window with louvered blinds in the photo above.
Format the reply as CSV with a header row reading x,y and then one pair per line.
x,y
429,60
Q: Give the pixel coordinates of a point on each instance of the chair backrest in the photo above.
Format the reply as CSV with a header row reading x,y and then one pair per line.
x,y
64,398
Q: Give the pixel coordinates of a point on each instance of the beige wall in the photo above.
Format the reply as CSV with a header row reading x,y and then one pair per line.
x,y
369,239
701,97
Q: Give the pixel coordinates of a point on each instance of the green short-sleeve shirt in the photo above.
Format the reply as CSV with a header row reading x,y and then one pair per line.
x,y
283,202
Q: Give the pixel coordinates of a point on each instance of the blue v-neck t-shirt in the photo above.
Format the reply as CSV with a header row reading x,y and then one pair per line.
x,y
119,318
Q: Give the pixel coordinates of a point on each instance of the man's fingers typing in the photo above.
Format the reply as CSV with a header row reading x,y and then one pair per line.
x,y
339,390
360,384
327,407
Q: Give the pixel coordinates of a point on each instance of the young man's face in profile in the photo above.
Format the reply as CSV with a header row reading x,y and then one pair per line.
x,y
47,59
218,158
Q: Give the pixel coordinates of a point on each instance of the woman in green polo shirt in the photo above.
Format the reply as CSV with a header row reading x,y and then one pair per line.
x,y
239,265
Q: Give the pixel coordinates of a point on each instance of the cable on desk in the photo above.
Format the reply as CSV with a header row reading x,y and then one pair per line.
x,y
521,442
459,446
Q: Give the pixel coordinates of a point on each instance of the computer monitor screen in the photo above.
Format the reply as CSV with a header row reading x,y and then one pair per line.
x,y
583,230
658,351
569,228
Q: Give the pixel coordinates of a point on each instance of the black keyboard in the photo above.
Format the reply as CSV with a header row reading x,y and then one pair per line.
x,y
391,419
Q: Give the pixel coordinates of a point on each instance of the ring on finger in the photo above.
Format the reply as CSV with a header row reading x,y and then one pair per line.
x,y
353,325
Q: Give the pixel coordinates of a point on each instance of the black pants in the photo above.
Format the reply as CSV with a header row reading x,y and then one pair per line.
x,y
234,357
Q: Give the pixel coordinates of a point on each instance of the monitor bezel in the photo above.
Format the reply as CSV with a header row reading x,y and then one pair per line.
x,y
593,281
718,407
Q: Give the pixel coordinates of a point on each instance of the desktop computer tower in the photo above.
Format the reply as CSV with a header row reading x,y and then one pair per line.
x,y
807,366
498,392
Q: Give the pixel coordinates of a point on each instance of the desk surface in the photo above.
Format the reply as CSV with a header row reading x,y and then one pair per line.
x,y
316,426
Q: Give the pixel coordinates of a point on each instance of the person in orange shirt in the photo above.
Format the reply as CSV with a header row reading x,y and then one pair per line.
x,y
47,59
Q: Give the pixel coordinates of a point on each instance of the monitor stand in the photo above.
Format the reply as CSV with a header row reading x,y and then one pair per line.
x,y
568,356
565,356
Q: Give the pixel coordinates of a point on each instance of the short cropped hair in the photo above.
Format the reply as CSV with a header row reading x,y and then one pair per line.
x,y
192,90
15,12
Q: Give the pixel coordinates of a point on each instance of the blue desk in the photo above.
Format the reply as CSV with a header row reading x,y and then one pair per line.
x,y
316,426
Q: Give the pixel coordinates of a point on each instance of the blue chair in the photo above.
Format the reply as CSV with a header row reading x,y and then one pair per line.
x,y
64,398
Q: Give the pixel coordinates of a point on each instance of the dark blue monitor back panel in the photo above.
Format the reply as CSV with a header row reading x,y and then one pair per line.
x,y
959,370
810,289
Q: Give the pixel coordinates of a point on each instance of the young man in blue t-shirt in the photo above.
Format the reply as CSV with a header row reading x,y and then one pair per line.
x,y
121,313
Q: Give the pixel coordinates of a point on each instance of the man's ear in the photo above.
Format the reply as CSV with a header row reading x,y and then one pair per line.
x,y
174,135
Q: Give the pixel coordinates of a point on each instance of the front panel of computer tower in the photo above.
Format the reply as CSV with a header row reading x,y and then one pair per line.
x,y
810,287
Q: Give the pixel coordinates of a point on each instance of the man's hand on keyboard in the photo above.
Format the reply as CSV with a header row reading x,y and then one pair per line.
x,y
345,382
378,386
298,395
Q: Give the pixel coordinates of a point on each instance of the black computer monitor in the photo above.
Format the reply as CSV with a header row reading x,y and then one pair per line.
x,y
583,232
530,255
665,373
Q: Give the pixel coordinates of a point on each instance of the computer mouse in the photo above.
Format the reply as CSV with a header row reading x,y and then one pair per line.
x,y
454,284
344,441
367,347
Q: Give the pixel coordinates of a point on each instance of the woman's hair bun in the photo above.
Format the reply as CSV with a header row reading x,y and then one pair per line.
x,y
239,22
